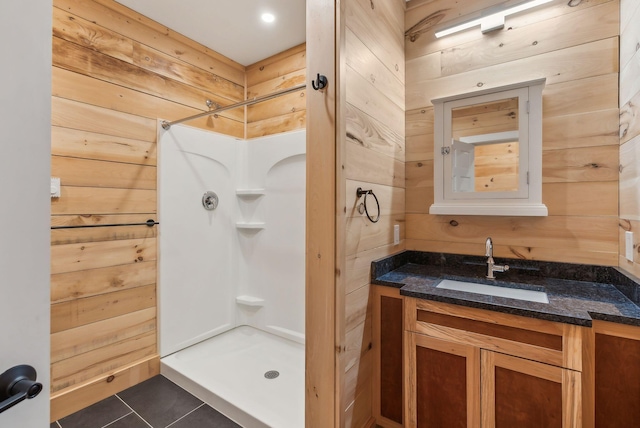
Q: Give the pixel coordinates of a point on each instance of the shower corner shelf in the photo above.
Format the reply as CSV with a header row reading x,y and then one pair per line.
x,y
250,193
255,302
250,226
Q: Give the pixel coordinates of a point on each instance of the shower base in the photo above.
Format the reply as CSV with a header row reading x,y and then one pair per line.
x,y
234,373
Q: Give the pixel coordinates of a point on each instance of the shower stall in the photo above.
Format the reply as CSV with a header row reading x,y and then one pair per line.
x,y
231,271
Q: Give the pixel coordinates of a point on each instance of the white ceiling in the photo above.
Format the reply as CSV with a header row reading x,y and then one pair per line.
x,y
232,28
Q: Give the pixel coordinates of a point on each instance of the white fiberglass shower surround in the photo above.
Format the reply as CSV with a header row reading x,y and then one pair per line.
x,y
231,280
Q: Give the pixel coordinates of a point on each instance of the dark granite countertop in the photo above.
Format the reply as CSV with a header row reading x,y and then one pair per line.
x,y
577,294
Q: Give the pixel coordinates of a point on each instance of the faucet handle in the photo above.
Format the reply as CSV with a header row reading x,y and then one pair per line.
x,y
502,268
488,247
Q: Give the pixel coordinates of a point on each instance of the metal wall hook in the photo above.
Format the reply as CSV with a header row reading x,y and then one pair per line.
x,y
322,82
360,193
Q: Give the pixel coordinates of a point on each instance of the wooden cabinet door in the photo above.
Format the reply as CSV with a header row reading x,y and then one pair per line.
x,y
527,394
443,383
617,375
388,379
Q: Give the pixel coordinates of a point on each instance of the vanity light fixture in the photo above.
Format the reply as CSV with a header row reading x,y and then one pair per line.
x,y
490,19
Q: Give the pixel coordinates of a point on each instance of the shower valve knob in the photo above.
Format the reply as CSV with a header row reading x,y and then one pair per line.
x,y
210,201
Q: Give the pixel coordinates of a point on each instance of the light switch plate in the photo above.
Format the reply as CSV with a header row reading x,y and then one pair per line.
x,y
55,187
396,234
628,240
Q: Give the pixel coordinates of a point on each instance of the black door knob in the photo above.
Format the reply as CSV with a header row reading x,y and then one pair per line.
x,y
17,384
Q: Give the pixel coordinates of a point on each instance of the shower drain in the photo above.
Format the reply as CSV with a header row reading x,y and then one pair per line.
x,y
272,374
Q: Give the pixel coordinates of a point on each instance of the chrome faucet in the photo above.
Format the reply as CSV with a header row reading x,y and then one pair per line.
x,y
491,265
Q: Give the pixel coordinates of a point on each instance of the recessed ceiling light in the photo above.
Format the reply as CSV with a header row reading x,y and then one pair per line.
x,y
268,17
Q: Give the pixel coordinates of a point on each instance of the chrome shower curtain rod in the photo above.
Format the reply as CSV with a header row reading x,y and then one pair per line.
x,y
167,125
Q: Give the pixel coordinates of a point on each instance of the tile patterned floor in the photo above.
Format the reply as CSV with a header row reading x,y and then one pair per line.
x,y
156,403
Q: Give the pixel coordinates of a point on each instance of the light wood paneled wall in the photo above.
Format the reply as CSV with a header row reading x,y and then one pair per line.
x,y
373,151
115,73
630,131
575,47
321,273
277,73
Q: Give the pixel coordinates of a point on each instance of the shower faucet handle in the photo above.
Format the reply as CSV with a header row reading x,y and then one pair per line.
x,y
210,200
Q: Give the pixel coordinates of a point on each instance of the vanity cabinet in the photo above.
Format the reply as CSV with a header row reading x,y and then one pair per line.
x,y
469,368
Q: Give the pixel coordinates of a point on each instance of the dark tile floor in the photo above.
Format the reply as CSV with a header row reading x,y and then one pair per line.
x,y
156,403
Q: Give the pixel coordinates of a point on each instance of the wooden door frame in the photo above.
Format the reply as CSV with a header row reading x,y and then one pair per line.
x,y
322,380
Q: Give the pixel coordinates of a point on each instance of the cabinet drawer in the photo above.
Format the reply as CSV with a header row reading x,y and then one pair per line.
x,y
549,342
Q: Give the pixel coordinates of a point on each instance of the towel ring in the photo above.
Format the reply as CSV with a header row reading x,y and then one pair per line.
x,y
361,192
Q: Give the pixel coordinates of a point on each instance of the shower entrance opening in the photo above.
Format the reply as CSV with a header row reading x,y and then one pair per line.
x,y
232,271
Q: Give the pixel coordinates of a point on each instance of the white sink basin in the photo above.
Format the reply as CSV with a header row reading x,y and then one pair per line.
x,y
492,290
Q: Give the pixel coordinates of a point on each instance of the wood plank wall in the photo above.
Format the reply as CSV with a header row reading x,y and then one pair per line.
x,y
630,130
277,73
372,73
575,47
115,73
321,234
